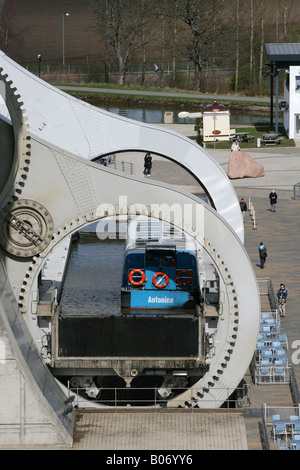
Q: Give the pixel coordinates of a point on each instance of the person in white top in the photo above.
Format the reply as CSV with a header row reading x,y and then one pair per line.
x,y
235,146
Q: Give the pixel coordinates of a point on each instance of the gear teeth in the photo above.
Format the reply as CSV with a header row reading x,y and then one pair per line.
x,y
210,380
22,151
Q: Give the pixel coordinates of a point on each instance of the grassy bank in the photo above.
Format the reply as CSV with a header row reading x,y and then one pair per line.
x,y
192,101
257,132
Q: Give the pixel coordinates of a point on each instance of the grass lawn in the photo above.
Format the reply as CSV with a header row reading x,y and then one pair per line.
x,y
193,100
257,132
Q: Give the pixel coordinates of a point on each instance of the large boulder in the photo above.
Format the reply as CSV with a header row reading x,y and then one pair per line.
x,y
241,165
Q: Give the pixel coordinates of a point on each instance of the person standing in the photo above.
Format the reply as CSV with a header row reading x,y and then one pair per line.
x,y
273,200
243,206
147,164
235,146
262,250
282,296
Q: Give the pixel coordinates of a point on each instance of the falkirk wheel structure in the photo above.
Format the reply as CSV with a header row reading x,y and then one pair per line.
x,y
50,187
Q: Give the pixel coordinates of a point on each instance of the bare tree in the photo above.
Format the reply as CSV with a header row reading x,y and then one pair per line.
x,y
143,48
251,59
163,33
175,40
262,44
200,19
9,34
237,45
122,21
106,45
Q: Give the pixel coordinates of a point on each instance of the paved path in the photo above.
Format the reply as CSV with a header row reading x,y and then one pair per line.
x,y
281,167
166,94
280,232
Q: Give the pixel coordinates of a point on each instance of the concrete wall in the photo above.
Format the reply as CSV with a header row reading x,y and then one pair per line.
x,y
32,404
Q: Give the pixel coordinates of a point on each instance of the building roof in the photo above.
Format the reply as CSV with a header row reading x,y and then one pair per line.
x,y
284,54
214,107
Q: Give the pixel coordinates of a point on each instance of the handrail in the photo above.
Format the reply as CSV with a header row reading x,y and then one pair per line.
x,y
267,283
125,167
296,189
294,386
156,402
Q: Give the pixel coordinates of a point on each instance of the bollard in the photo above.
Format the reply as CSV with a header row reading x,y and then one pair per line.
x,y
254,220
252,213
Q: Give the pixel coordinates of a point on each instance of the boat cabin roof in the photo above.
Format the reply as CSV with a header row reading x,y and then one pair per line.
x,y
147,232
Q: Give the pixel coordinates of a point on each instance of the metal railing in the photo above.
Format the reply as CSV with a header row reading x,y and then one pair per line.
x,y
285,411
93,71
266,288
296,190
294,387
125,167
111,162
270,373
149,398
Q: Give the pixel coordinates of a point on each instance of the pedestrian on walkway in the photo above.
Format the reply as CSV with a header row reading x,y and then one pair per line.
x,y
262,250
282,295
273,200
243,206
147,164
235,146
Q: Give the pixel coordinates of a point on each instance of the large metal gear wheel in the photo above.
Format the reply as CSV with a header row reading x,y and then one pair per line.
x,y
26,228
20,161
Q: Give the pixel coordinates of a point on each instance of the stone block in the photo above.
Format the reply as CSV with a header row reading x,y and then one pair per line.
x,y
242,165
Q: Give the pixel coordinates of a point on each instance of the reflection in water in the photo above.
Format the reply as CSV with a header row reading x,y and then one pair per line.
x,y
155,115
93,279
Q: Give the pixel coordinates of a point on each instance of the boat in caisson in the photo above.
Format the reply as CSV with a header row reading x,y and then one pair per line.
x,y
160,267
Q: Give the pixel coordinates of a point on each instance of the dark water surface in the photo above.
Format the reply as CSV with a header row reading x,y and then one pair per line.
x,y
93,279
155,114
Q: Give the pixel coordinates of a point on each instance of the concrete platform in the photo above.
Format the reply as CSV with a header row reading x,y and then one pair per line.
x,y
160,430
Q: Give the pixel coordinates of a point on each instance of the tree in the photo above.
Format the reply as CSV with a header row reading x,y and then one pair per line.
x,y
205,21
262,43
123,22
237,45
9,33
175,41
251,61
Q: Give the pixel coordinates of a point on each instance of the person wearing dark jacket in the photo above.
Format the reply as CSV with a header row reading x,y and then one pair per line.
x,y
273,200
262,250
147,164
243,206
282,295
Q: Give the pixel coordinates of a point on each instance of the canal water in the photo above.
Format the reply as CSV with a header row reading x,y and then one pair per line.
x,y
93,279
155,115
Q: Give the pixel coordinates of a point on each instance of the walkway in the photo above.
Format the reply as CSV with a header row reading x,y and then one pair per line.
x,y
160,430
280,232
192,95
